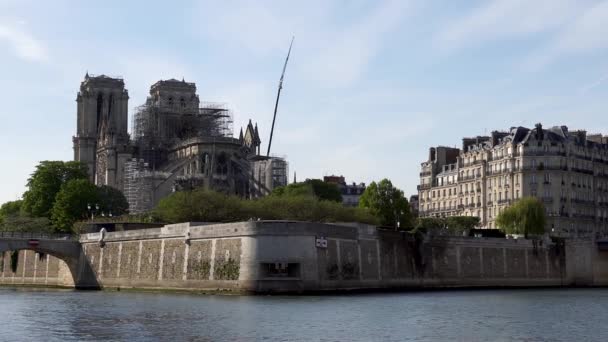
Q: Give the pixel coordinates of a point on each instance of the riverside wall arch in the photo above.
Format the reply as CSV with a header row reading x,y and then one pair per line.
x,y
65,249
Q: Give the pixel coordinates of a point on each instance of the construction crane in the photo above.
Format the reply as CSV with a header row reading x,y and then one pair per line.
x,y
276,105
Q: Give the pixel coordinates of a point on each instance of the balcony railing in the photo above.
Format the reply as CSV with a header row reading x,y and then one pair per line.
x,y
583,216
584,171
583,201
466,178
544,153
476,162
547,199
424,186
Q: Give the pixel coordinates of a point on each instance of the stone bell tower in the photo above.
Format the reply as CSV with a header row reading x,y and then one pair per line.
x,y
102,139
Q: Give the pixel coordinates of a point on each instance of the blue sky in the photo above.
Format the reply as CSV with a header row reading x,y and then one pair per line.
x,y
371,85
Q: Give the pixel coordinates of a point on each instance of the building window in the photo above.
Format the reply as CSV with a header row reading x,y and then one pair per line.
x,y
280,270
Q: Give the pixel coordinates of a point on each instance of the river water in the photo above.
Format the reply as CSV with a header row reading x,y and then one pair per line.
x,y
483,315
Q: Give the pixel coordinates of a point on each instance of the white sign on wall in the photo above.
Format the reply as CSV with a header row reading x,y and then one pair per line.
x,y
321,242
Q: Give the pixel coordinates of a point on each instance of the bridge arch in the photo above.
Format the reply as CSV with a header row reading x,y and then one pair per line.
x,y
64,248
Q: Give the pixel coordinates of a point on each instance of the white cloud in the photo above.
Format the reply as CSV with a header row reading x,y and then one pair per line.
x,y
586,34
502,19
327,52
23,44
257,27
586,88
344,57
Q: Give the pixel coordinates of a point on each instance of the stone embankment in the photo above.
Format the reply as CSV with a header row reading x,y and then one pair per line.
x,y
280,256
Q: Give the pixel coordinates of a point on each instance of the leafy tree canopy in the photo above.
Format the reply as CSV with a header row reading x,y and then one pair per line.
x,y
71,204
454,224
311,188
388,204
46,181
209,206
10,209
526,216
22,223
112,200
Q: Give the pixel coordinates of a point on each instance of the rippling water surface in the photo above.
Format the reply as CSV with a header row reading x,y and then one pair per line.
x,y
487,315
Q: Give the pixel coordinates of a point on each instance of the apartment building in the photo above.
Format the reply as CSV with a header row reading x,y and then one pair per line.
x,y
567,171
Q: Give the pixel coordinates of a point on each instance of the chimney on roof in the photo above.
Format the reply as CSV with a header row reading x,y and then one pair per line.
x,y
539,131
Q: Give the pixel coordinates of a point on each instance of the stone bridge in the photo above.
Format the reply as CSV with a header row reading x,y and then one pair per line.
x,y
62,246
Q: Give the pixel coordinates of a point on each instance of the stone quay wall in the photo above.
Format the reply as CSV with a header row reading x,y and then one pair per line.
x,y
281,256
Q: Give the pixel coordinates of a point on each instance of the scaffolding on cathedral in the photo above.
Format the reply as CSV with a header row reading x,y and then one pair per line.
x,y
156,128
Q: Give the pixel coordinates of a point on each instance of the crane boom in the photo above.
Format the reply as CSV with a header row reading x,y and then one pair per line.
x,y
276,105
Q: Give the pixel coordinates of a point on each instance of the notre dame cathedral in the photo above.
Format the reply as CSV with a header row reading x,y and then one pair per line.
x,y
176,143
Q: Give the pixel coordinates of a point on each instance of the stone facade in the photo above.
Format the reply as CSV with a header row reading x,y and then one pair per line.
x,y
567,170
102,137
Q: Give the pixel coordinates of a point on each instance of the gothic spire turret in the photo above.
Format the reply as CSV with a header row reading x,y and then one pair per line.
x,y
256,134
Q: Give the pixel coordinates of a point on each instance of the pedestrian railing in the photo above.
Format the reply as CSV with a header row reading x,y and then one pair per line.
x,y
38,236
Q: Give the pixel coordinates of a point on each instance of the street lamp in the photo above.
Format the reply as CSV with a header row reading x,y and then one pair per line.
x,y
92,209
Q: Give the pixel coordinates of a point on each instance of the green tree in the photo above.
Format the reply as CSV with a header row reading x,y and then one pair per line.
x,y
46,181
71,204
454,224
458,224
23,223
388,204
13,219
10,209
208,206
112,200
311,188
526,216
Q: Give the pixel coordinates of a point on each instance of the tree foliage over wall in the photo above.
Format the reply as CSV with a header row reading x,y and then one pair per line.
x,y
112,200
452,224
57,196
311,188
388,204
46,181
23,223
10,209
209,206
71,203
526,216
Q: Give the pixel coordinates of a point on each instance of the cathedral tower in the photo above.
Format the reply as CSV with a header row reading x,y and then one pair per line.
x,y
102,137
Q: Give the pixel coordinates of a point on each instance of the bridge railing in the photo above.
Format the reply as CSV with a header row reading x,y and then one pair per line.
x,y
38,236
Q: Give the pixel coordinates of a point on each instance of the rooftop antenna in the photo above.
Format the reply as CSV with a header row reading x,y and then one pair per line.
x,y
276,105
